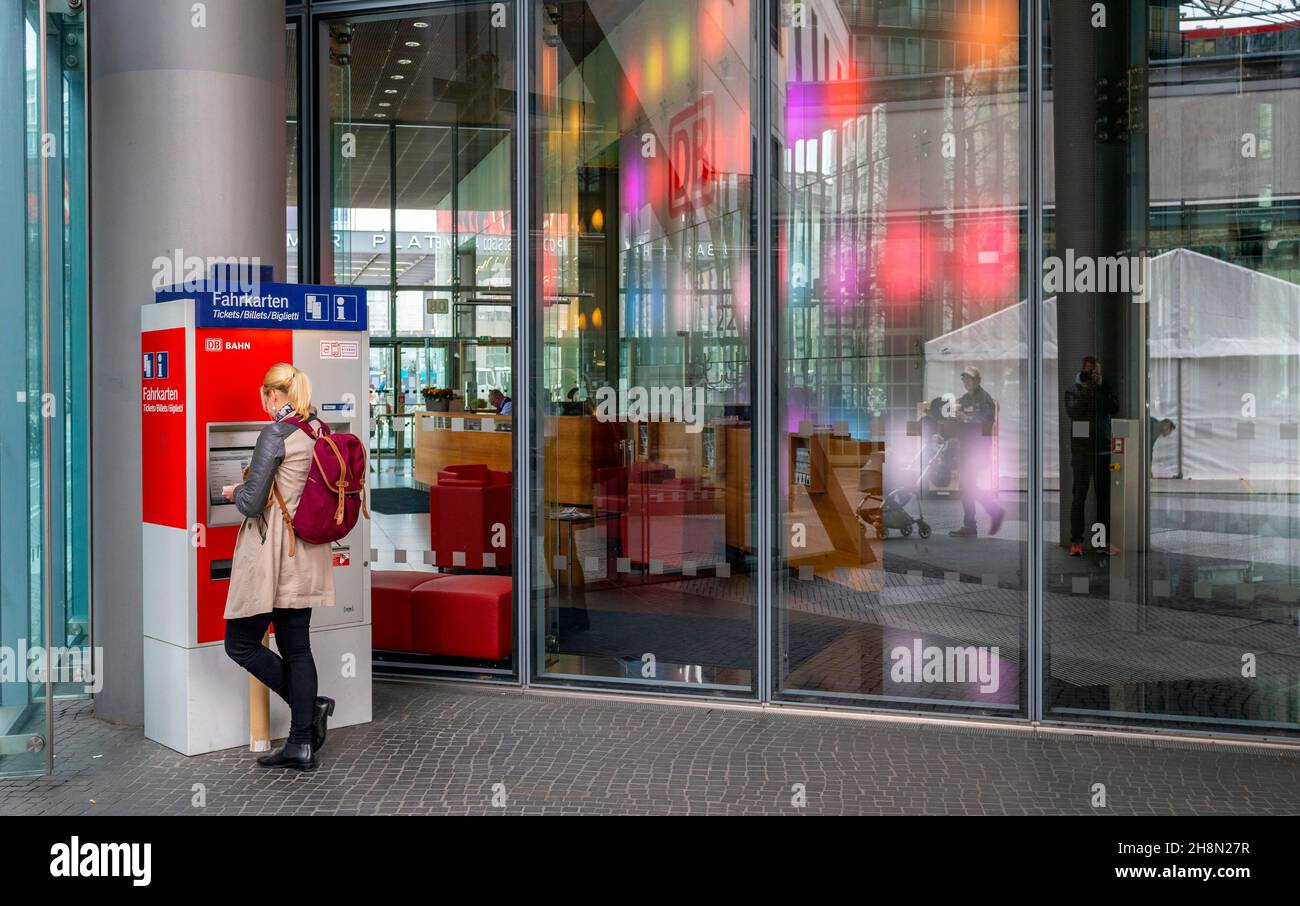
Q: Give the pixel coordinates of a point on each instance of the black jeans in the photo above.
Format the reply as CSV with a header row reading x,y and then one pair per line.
x,y
1094,470
291,676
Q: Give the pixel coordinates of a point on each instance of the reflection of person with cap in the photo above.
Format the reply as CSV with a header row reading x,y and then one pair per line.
x,y
977,413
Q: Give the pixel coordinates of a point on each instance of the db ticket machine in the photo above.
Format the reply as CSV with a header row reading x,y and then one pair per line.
x,y
203,354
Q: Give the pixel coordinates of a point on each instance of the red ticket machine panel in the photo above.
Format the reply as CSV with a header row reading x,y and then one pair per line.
x,y
163,365
229,366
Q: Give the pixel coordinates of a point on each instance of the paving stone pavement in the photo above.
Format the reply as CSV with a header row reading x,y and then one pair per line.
x,y
439,749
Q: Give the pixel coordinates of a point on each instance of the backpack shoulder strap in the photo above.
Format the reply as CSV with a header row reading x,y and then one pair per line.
x,y
305,425
288,520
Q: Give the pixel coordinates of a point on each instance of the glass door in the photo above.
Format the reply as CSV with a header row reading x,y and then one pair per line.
x,y
399,373
422,121
382,397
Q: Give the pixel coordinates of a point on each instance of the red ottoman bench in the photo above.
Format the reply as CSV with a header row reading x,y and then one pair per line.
x,y
390,606
463,616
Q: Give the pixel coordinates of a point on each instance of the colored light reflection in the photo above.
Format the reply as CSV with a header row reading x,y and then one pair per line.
x,y
901,266
998,25
713,42
813,107
654,68
631,92
988,261
680,52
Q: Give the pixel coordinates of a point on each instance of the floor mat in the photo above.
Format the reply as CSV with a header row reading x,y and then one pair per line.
x,y
395,501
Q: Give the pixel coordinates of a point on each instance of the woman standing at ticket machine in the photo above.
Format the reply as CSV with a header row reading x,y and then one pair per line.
x,y
275,579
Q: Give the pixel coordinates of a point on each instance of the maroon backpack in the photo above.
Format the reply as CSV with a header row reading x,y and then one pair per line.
x,y
335,492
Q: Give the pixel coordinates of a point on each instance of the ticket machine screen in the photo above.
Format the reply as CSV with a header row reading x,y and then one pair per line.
x,y
230,449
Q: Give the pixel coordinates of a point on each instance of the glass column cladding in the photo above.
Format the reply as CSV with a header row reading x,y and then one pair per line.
x,y
44,499
642,253
902,438
1172,361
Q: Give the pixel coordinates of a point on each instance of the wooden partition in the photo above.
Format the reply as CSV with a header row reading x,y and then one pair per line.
x,y
823,496
735,456
576,448
456,438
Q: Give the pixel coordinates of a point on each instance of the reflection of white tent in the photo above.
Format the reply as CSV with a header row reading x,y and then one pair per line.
x,y
1217,332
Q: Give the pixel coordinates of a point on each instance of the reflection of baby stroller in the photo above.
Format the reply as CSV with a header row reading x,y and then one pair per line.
x,y
894,514
889,511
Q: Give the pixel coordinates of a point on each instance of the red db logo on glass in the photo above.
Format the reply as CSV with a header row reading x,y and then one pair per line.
x,y
690,158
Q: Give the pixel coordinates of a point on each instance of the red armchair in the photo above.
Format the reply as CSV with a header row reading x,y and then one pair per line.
x,y
466,506
662,518
610,492
672,522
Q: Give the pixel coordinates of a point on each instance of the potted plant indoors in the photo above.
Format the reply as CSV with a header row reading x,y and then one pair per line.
x,y
437,399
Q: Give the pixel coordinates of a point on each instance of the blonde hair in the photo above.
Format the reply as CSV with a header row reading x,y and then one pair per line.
x,y
292,383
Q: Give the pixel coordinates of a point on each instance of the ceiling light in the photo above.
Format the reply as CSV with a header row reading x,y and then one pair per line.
x,y
390,91
420,24
397,78
385,104
404,62
412,43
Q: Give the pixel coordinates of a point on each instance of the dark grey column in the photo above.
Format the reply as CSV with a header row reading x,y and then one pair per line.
x,y
187,149
1100,194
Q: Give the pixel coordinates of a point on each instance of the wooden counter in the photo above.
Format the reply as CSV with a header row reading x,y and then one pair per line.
x,y
459,438
575,447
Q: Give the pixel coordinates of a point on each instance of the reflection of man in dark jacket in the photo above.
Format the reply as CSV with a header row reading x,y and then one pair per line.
x,y
1089,404
1156,429
977,413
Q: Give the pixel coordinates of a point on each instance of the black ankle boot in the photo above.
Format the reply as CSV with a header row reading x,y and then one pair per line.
x,y
299,756
319,728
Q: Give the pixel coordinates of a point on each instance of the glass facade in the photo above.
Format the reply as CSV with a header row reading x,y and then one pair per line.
x,y
643,253
902,459
44,499
1170,393
925,355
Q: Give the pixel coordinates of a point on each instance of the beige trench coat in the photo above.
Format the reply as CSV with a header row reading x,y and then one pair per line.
x,y
263,575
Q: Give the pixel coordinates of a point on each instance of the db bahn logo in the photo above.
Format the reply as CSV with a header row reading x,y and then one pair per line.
x,y
216,344
691,177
